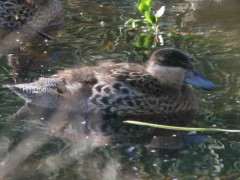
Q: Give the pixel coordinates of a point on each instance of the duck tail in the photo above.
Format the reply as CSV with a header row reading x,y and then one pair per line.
x,y
25,91
30,91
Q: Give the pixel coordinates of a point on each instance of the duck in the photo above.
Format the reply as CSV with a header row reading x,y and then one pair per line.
x,y
161,87
35,13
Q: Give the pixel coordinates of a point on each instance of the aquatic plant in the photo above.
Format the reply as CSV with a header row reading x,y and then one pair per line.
x,y
150,18
149,22
145,7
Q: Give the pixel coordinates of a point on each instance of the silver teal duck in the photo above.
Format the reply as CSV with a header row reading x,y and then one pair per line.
x,y
160,87
37,13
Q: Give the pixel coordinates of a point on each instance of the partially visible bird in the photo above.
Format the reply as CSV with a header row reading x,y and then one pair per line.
x,y
34,13
157,89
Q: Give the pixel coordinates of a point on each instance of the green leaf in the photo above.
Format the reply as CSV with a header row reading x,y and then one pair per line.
x,y
143,8
145,40
149,3
129,22
150,17
180,128
160,12
5,69
140,41
144,5
132,23
139,2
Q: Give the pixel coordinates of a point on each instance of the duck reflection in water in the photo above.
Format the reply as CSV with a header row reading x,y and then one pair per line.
x,y
106,94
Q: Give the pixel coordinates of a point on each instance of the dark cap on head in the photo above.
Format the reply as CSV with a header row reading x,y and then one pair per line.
x,y
171,57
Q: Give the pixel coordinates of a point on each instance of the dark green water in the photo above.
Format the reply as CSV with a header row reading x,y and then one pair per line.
x,y
94,31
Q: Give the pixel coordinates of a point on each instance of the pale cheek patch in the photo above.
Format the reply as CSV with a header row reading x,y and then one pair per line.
x,y
170,75
175,75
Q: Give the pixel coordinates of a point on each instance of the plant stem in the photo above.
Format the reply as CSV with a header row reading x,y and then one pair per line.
x,y
179,128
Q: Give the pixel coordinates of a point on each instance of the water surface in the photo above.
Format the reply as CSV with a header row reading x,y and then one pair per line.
x,y
94,31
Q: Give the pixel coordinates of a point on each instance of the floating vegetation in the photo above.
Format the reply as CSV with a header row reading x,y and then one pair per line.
x,y
181,128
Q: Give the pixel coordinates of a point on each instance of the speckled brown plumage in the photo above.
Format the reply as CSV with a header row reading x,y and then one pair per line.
x,y
36,13
123,90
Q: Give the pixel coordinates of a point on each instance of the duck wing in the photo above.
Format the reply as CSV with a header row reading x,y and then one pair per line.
x,y
140,81
125,92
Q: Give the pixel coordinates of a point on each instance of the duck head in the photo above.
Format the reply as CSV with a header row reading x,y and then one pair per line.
x,y
173,67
